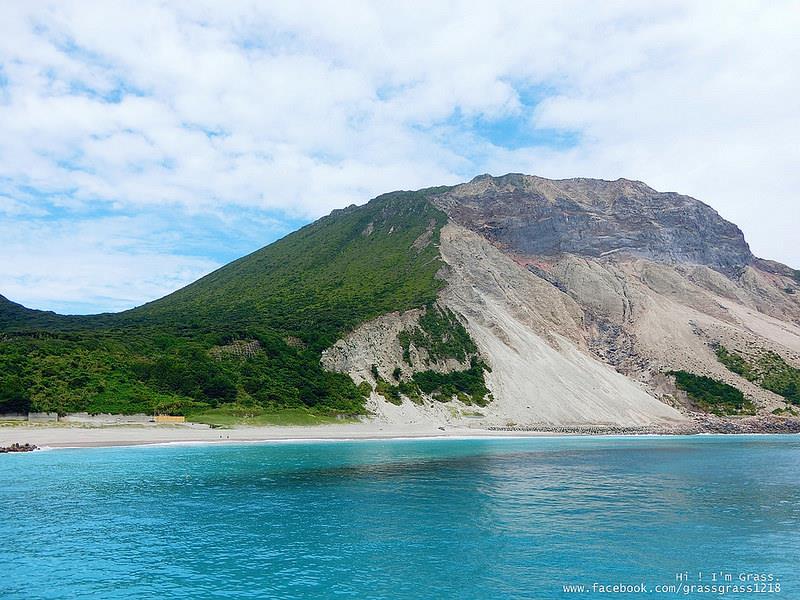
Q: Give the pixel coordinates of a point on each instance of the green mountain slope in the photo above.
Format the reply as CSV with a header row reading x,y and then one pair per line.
x,y
15,316
251,332
320,281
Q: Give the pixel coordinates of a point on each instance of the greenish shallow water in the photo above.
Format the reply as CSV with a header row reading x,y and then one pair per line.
x,y
506,518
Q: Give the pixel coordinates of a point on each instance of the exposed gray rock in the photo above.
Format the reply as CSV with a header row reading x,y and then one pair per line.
x,y
376,343
530,215
18,448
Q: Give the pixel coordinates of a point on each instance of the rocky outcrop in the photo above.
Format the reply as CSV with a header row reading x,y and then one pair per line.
x,y
375,347
697,424
659,278
375,343
530,215
18,448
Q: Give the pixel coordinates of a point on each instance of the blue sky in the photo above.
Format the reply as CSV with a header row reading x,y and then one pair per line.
x,y
144,144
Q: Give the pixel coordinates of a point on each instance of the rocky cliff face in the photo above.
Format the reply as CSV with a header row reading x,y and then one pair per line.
x,y
529,215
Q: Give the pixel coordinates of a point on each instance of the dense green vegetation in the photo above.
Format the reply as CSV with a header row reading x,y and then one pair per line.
x,y
395,393
294,297
469,386
769,371
322,280
160,372
441,334
713,396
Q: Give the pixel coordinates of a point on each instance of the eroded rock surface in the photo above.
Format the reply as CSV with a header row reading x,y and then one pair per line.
x,y
590,217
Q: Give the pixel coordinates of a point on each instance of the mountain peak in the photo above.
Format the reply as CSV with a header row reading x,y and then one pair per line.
x,y
532,215
564,186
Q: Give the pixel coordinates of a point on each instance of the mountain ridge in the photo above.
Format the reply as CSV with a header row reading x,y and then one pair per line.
x,y
605,287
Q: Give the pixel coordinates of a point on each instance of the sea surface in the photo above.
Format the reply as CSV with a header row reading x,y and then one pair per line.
x,y
439,518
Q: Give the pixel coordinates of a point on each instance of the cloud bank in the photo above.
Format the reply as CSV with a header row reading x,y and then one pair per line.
x,y
143,144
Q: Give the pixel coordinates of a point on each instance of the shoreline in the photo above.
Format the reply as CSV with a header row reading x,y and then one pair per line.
x,y
83,436
46,438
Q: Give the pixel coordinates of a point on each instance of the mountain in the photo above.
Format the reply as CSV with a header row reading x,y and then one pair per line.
x,y
504,300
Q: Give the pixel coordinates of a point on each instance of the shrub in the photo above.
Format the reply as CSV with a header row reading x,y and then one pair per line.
x,y
389,391
469,385
440,334
769,371
711,395
734,362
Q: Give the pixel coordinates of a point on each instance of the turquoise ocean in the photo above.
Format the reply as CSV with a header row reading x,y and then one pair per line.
x,y
439,518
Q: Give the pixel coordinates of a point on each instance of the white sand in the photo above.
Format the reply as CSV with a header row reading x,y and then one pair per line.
x,y
64,436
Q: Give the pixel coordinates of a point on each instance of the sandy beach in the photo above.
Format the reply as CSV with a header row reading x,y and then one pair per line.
x,y
77,435
66,436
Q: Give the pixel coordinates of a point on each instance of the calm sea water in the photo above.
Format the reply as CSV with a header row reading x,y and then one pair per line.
x,y
513,518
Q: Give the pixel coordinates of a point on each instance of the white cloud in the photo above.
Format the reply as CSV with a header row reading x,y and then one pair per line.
x,y
304,107
113,263
11,207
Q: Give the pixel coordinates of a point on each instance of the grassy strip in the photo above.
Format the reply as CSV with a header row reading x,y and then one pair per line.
x,y
234,414
712,395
